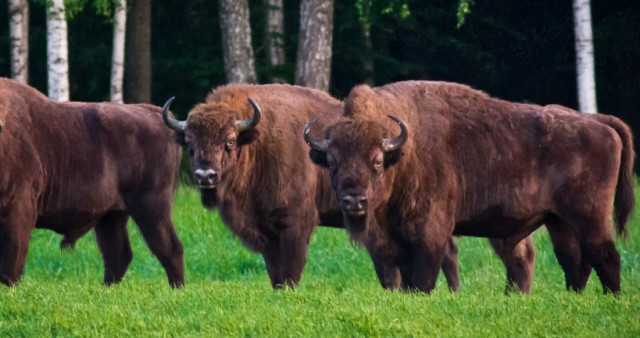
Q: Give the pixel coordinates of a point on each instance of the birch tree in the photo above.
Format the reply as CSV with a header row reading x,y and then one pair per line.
x,y
117,59
275,34
236,41
313,64
19,36
584,56
57,52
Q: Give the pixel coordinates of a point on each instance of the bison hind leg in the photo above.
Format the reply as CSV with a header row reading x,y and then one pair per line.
x,y
605,259
567,248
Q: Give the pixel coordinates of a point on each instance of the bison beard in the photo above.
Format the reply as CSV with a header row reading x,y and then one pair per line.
x,y
57,156
209,198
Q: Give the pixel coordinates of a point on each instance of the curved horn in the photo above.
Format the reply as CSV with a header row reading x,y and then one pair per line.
x,y
398,141
243,125
170,121
319,145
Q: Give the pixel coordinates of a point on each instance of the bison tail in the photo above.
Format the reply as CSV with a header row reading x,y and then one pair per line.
x,y
624,199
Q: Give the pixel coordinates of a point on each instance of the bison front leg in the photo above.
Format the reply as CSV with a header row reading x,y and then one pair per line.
x,y
113,241
450,265
286,264
293,247
389,276
518,262
271,256
15,232
426,262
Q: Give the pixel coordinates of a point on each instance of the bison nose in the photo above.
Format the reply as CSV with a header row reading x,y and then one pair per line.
x,y
354,203
206,177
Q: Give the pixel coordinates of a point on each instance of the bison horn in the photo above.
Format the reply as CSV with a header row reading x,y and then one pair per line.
x,y
398,141
243,125
170,121
319,145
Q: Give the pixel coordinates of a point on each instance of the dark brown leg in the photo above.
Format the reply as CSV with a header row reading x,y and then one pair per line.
x,y
569,254
113,241
605,259
426,263
15,232
271,257
293,249
518,261
389,276
450,265
152,213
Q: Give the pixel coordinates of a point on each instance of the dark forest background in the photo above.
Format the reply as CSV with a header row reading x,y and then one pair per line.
x,y
515,50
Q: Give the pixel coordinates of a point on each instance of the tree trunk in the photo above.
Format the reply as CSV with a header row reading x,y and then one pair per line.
x,y
584,56
57,52
137,67
367,62
313,67
275,35
19,36
236,41
117,59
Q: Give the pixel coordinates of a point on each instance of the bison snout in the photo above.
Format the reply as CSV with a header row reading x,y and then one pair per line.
x,y
354,205
207,178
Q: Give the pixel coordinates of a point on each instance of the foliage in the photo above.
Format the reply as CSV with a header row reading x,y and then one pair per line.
x,y
464,9
519,51
228,292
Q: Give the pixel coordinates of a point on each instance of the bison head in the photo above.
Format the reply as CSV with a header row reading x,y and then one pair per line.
x,y
357,154
214,136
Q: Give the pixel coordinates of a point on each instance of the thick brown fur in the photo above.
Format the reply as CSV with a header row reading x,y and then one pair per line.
x,y
480,166
269,194
72,167
267,191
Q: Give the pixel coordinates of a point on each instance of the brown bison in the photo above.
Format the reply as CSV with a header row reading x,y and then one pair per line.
x,y
464,163
250,161
71,167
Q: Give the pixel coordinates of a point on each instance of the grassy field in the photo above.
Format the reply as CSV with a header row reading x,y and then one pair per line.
x,y
228,292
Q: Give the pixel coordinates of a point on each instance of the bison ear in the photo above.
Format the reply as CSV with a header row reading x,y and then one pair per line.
x,y
248,136
318,157
178,136
392,157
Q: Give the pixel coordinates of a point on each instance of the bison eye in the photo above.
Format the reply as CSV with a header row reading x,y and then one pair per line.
x,y
377,166
230,144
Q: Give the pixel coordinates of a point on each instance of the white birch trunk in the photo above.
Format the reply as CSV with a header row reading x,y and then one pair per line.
x,y
584,56
236,41
57,52
19,36
117,59
313,64
275,34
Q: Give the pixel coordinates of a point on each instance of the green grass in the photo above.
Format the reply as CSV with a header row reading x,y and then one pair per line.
x,y
228,292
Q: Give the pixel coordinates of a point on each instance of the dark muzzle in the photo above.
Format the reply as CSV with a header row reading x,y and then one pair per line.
x,y
354,205
207,178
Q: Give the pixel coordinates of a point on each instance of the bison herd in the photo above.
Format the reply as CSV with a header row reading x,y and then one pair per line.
x,y
403,168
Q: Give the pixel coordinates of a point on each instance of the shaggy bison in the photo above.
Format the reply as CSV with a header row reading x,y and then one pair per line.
x,y
250,162
73,166
464,163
